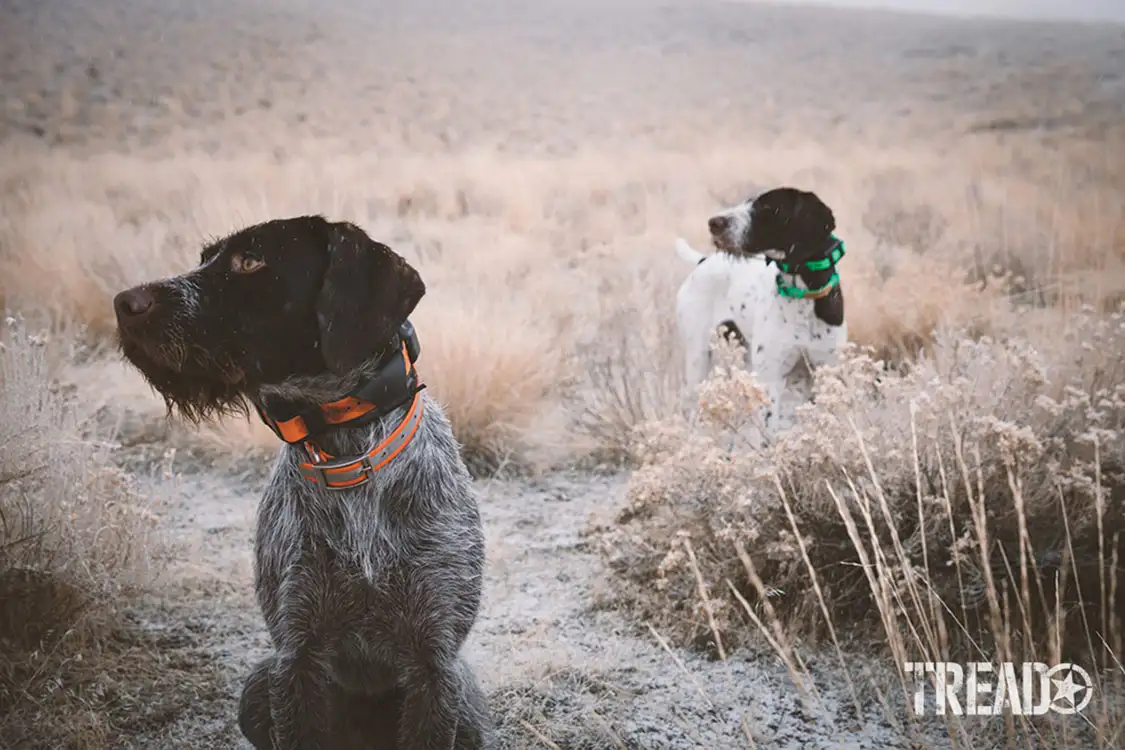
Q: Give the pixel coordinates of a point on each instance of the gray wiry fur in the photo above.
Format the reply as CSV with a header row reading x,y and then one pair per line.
x,y
368,593
368,590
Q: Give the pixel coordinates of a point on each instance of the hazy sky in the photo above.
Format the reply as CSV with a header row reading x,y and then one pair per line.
x,y
1085,10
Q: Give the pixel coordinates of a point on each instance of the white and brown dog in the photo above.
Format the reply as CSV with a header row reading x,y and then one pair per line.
x,y
782,315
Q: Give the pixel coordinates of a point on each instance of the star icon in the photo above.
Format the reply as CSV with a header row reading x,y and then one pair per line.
x,y
1068,688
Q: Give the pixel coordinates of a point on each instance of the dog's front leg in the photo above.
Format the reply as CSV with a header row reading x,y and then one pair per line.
x,y
431,703
299,706
770,376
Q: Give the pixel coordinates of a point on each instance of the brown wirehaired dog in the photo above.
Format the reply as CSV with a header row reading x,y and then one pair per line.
x,y
369,551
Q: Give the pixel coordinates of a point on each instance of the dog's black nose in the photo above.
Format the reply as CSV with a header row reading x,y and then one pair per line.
x,y
133,303
718,224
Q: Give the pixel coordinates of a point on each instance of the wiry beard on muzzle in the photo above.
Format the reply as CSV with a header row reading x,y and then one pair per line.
x,y
196,384
198,402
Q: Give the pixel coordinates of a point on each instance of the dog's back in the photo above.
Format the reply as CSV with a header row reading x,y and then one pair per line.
x,y
719,290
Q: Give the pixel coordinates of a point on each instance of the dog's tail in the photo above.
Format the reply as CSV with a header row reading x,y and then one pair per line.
x,y
688,253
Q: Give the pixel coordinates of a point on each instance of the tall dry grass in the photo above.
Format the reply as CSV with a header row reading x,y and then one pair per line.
x,y
76,548
546,326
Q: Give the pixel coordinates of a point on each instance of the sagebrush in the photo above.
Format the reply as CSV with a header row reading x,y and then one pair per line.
x,y
984,465
966,506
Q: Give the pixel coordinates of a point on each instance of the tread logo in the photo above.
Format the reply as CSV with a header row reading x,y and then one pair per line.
x,y
977,689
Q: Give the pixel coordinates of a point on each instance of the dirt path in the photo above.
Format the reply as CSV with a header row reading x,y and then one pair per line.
x,y
558,669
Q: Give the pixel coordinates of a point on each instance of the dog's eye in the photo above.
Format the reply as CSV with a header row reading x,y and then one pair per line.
x,y
246,263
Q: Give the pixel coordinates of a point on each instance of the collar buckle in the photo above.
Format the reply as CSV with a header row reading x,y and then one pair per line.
x,y
336,476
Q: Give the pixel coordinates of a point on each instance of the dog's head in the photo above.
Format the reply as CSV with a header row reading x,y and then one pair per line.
x,y
784,224
278,300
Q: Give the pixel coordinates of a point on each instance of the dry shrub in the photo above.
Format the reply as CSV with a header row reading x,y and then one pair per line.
x,y
75,545
633,370
967,507
494,380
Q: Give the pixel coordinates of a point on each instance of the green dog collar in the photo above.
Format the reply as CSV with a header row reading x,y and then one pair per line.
x,y
820,264
796,292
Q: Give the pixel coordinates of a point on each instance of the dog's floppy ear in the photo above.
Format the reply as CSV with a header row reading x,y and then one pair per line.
x,y
367,293
812,217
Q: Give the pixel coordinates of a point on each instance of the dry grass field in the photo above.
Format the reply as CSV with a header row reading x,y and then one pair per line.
x,y
655,581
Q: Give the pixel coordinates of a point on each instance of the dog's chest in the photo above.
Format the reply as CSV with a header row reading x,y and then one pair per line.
x,y
333,541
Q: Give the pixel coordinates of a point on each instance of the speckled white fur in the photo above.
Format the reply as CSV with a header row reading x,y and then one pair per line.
x,y
779,331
